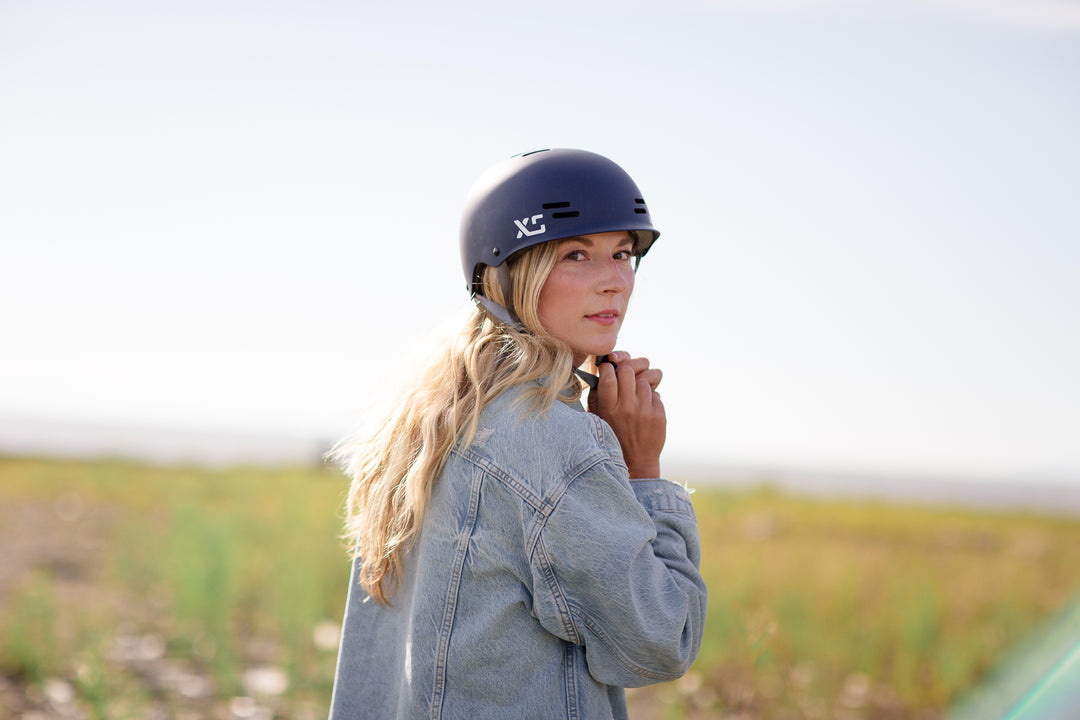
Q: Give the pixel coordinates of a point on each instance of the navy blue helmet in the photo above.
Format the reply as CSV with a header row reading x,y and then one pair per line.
x,y
547,195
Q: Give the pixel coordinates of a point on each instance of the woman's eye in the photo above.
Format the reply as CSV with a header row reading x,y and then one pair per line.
x,y
575,255
623,255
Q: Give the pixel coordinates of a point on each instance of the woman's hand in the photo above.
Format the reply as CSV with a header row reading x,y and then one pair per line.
x,y
626,399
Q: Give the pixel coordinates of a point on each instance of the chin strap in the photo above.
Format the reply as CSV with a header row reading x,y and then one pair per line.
x,y
591,380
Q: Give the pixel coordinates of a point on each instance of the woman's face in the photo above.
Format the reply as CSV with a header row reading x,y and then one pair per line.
x,y
583,301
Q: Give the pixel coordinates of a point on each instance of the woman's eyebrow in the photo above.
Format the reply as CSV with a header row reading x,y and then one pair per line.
x,y
577,239
588,241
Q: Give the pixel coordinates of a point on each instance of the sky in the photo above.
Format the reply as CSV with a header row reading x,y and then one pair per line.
x,y
242,216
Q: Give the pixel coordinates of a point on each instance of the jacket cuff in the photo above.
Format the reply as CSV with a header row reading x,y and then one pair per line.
x,y
661,494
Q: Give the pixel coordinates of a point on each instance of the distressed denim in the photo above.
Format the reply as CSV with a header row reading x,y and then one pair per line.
x,y
544,581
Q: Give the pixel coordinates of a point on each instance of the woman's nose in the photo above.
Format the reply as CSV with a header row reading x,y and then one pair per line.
x,y
615,277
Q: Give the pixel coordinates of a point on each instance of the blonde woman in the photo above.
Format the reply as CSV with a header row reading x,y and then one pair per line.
x,y
517,556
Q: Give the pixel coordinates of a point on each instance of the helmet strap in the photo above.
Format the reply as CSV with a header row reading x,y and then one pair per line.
x,y
504,314
501,314
502,272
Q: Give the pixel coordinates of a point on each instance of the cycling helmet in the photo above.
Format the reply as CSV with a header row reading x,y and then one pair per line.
x,y
545,195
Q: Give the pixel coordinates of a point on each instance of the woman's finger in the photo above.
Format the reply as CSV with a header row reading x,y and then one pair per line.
x,y
607,389
627,385
653,376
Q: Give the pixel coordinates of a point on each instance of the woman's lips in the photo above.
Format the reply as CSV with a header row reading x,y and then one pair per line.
x,y
606,317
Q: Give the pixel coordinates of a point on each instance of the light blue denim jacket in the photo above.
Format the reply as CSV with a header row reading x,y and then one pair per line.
x,y
544,581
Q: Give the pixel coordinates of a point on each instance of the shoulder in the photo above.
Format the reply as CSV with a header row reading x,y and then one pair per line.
x,y
560,441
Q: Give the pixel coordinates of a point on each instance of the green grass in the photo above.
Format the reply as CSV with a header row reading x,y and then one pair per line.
x,y
213,561
29,643
817,608
810,599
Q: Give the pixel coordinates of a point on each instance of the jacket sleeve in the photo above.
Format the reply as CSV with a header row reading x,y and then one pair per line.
x,y
615,570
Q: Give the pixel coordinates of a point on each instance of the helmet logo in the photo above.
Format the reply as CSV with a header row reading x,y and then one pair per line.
x,y
522,230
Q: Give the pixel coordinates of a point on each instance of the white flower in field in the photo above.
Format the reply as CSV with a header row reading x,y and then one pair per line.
x,y
326,635
265,681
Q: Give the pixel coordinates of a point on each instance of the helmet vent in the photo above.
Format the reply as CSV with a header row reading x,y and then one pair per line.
x,y
563,214
640,210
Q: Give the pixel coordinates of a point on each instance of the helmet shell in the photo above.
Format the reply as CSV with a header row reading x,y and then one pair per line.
x,y
547,195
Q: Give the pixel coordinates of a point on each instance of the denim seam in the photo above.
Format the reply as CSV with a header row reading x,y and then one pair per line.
x,y
627,662
571,682
535,541
548,508
659,500
543,506
598,429
442,651
561,602
522,490
672,510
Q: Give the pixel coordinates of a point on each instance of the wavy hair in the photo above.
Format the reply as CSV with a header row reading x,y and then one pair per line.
x,y
393,470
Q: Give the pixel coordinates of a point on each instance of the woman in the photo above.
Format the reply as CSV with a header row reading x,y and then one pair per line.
x,y
517,556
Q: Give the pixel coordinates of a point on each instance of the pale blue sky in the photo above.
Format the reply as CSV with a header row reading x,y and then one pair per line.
x,y
241,215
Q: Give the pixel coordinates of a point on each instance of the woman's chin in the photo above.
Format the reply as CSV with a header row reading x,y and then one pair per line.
x,y
580,356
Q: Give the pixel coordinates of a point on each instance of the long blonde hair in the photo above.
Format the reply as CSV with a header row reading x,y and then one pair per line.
x,y
394,469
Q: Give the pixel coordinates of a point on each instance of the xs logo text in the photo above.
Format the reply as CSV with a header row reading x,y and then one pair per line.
x,y
523,222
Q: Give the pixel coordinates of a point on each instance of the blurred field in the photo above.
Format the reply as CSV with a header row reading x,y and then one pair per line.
x,y
148,592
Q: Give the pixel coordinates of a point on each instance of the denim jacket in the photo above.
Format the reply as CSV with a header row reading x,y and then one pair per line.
x,y
543,582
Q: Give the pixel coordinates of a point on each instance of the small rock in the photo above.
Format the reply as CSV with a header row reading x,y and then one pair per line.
x,y
177,677
265,681
243,707
856,691
326,635
59,692
137,648
194,686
